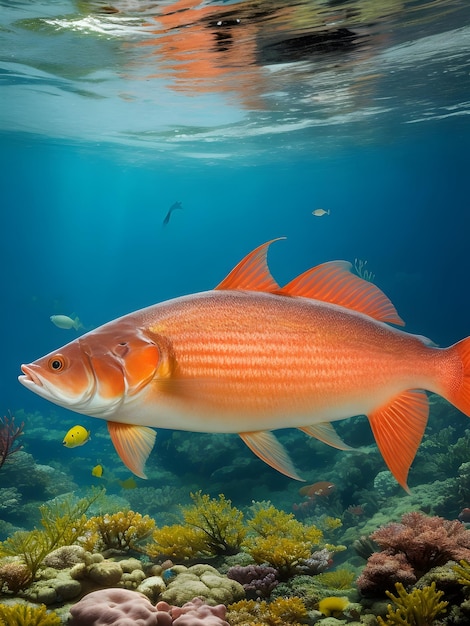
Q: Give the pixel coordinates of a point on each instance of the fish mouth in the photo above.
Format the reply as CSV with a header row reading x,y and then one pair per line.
x,y
29,378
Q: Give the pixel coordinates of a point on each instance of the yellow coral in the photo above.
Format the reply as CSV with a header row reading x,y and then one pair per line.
x,y
463,571
25,615
332,605
177,542
120,531
418,608
331,523
337,579
277,538
280,612
221,523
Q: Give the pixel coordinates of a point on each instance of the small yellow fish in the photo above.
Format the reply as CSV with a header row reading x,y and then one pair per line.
x,y
77,436
129,483
97,471
66,322
320,212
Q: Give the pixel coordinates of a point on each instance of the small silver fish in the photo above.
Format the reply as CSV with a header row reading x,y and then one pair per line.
x,y
66,322
320,212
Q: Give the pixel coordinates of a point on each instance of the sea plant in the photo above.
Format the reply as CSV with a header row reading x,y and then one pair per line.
x,y
9,434
63,522
26,615
417,608
177,542
121,531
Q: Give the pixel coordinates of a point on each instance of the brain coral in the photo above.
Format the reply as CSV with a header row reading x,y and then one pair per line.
x,y
123,607
119,607
201,581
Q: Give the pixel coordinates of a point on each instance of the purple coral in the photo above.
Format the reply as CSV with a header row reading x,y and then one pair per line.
x,y
257,580
411,548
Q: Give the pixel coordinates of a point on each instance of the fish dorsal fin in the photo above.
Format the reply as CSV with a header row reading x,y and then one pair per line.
x,y
133,444
252,273
398,429
335,283
265,445
327,434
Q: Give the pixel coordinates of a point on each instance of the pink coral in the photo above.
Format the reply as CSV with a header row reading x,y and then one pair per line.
x,y
196,613
122,607
411,548
382,571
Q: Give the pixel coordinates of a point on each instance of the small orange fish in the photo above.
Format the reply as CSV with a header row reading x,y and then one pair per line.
x,y
250,357
323,488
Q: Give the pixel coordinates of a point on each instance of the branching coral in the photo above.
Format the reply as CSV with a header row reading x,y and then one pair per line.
x,y
280,612
277,538
418,608
177,542
411,548
212,527
25,615
9,434
120,531
221,523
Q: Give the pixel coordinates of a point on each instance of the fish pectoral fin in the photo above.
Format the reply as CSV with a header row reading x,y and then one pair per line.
x,y
327,434
398,429
265,445
334,282
133,444
252,273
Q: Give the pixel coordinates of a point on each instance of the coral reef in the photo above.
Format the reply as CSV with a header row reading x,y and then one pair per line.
x,y
418,608
332,605
410,549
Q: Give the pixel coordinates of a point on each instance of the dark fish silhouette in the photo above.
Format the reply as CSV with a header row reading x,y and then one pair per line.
x,y
176,205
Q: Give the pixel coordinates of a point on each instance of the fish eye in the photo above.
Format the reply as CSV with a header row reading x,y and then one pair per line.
x,y
56,363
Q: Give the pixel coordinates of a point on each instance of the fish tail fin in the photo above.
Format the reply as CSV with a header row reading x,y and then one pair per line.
x,y
456,386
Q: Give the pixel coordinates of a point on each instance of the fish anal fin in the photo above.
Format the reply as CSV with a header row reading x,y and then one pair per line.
x,y
327,434
252,273
335,283
398,429
265,445
133,444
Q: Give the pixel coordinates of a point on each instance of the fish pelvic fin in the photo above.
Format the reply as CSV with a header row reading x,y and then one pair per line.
x,y
327,434
457,388
265,445
133,444
252,273
398,429
334,282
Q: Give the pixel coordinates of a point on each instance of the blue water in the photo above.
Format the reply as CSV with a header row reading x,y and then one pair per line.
x,y
82,211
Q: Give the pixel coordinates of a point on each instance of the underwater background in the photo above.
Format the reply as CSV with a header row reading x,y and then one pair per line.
x,y
252,115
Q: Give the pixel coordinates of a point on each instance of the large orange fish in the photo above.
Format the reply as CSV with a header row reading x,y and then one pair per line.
x,y
251,357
